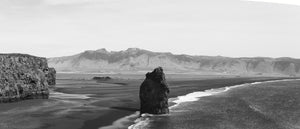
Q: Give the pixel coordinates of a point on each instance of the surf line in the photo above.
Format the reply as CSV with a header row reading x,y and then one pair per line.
x,y
61,95
195,96
144,120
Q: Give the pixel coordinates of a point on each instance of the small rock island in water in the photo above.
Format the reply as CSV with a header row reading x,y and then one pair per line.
x,y
102,78
154,93
24,77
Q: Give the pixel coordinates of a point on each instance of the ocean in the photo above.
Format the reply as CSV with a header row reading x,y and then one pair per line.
x,y
261,105
77,102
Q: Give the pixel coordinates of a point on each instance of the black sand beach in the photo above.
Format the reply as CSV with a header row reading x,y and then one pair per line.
x,y
78,102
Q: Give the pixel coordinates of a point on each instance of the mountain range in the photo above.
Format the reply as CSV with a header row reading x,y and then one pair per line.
x,y
139,60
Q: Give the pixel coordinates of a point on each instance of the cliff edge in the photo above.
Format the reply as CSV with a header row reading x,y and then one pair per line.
x,y
24,77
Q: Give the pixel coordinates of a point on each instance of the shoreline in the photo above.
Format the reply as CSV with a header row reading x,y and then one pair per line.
x,y
196,95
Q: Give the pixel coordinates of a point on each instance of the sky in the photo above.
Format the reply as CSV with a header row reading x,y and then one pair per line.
x,y
234,28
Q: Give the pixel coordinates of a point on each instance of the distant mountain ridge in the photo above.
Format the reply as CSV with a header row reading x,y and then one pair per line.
x,y
135,59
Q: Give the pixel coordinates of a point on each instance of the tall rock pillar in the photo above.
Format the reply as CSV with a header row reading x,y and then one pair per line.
x,y
154,93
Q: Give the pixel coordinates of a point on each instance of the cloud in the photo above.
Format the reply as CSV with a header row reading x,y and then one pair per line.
x,y
208,27
290,2
19,3
60,2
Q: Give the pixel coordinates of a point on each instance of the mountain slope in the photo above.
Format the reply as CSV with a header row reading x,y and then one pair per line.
x,y
134,59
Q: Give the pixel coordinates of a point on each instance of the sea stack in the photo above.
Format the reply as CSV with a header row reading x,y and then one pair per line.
x,y
51,76
24,77
154,93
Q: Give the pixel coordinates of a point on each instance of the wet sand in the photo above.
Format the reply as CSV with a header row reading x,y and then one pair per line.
x,y
100,103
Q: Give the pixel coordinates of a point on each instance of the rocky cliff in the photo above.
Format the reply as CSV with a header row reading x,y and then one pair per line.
x,y
24,77
51,76
134,59
154,93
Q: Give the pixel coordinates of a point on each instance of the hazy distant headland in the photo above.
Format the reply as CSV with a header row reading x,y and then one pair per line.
x,y
139,60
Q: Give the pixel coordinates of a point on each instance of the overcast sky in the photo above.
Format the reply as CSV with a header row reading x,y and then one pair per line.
x,y
232,28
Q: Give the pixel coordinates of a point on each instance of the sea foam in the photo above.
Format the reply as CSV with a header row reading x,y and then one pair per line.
x,y
60,95
195,96
141,122
121,123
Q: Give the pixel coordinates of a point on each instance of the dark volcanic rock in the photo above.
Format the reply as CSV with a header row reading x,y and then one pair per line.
x,y
51,76
23,77
154,93
102,78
